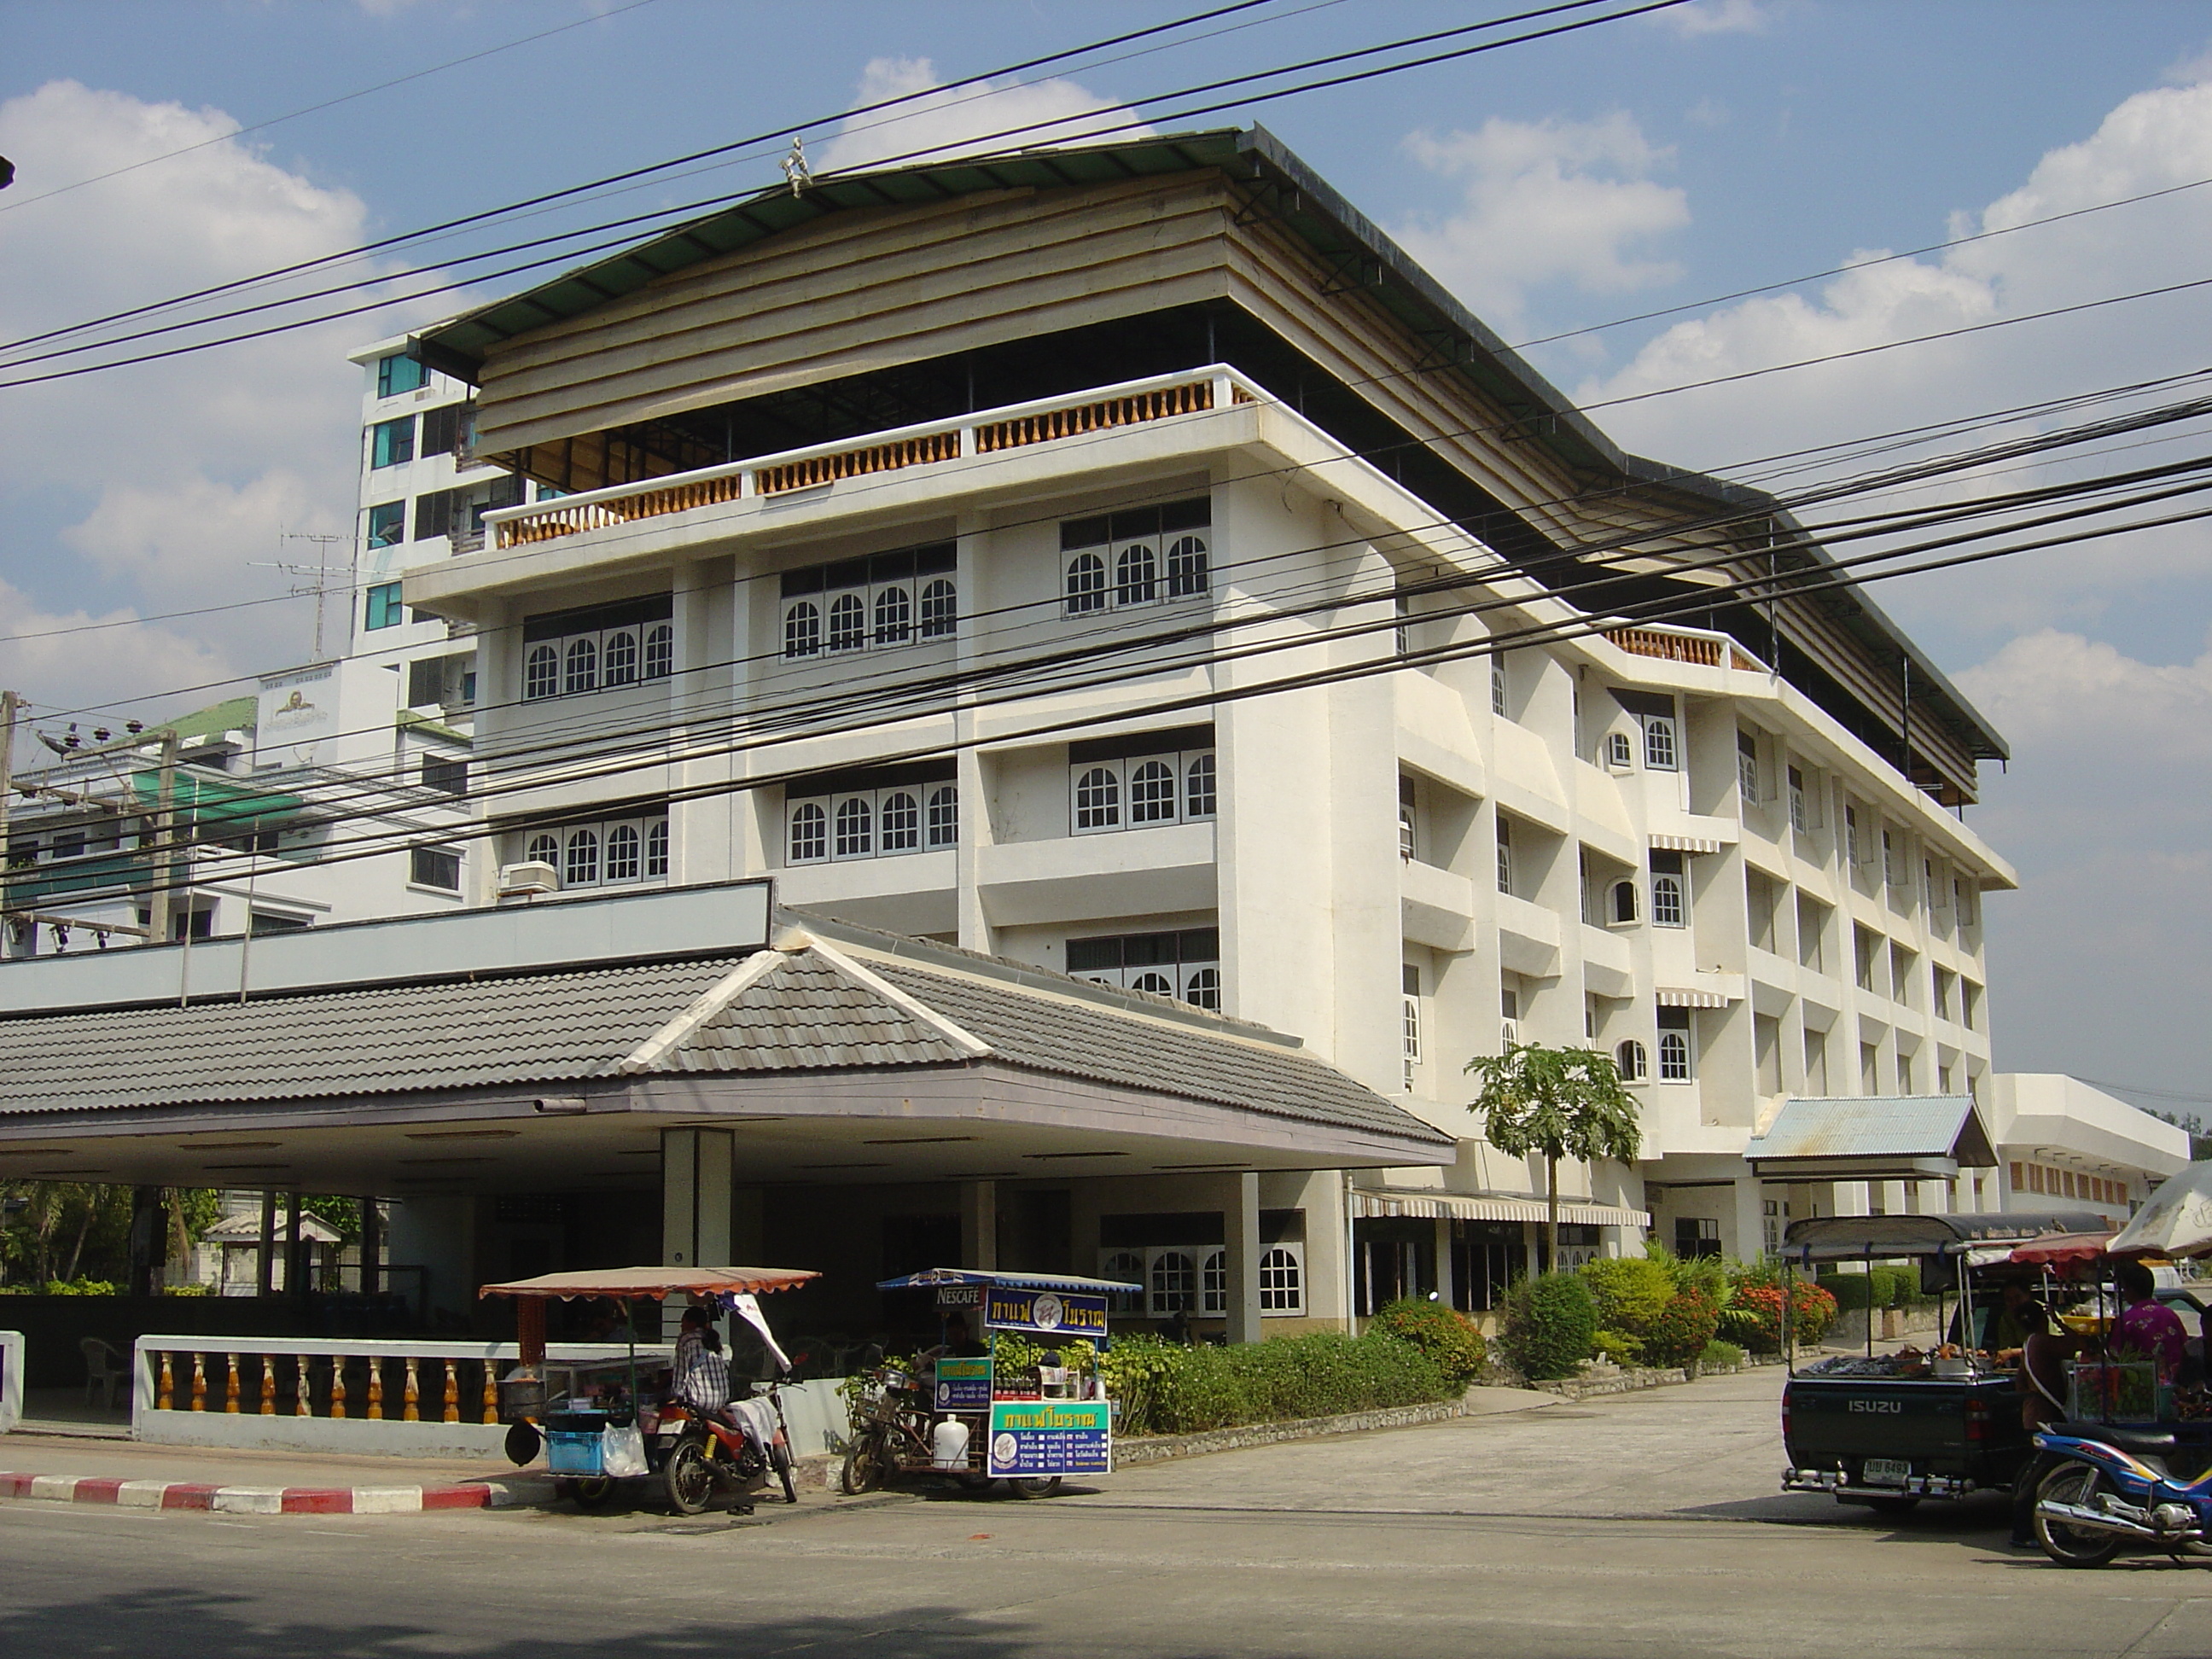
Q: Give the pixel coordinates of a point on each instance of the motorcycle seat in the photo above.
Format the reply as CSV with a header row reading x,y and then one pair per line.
x,y
2117,1434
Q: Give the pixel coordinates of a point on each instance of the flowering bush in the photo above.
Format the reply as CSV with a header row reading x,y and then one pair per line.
x,y
1446,1335
1683,1329
1753,1315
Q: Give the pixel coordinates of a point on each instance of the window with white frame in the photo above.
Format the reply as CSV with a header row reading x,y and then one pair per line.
x,y
1125,1267
1172,1283
1660,752
1141,555
1747,766
1624,903
1668,908
598,647
1677,1057
1181,1260
1185,964
1282,1280
1213,1283
610,852
883,811
1497,684
1504,853
1619,752
1631,1061
1408,816
1409,1019
878,603
1142,781
1800,818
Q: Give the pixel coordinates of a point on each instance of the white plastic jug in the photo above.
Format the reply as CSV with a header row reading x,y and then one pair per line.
x,y
949,1444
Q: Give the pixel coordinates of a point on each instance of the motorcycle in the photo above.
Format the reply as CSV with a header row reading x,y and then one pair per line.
x,y
2114,1490
697,1456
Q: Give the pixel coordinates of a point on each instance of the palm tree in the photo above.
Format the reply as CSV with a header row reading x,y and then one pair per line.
x,y
1563,1103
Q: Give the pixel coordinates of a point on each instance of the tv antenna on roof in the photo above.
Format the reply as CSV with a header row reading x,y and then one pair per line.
x,y
795,172
321,570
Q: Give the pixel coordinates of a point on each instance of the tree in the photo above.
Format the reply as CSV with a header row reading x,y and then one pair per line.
x,y
1562,1103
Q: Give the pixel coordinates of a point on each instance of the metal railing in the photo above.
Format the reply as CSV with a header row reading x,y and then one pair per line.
x,y
1014,426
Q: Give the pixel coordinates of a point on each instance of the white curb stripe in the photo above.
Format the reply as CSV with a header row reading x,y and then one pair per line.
x,y
141,1494
387,1500
249,1500
60,1486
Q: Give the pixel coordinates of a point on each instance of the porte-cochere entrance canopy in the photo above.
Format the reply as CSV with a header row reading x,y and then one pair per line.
x,y
545,1050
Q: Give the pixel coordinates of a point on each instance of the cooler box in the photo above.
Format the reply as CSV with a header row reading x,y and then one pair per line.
x,y
573,1444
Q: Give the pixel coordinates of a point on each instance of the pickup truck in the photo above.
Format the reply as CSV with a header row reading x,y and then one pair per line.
x,y
1888,1442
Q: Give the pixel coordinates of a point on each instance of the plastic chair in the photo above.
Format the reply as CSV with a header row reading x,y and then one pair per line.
x,y
105,1371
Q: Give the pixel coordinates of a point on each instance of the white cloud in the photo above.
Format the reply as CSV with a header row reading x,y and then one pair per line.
x,y
2152,140
962,120
1718,17
1544,202
61,667
155,488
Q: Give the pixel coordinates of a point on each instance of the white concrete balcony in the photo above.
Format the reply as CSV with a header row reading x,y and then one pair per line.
x,y
1128,872
1437,906
1527,937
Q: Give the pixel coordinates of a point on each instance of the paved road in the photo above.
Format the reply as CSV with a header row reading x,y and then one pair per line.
x,y
1640,1525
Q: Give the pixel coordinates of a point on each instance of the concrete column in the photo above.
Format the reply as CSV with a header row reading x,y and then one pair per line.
x,y
696,1182
979,1224
264,1272
1241,1232
371,1247
1445,1288
1750,1216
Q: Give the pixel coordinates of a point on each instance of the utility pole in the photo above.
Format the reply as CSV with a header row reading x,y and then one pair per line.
x,y
10,702
165,842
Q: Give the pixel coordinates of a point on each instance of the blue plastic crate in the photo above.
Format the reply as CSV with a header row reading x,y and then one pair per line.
x,y
574,1451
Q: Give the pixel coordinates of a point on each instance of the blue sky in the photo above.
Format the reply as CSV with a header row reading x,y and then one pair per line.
x,y
1558,185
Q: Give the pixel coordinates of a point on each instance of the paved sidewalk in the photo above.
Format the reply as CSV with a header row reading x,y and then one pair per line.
x,y
102,1470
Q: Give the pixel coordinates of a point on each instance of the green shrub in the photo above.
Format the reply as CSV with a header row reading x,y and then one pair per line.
x,y
1631,1292
1166,1389
1683,1329
1446,1335
1708,1273
1548,1325
1851,1290
1618,1346
1720,1356
79,1287
1754,1318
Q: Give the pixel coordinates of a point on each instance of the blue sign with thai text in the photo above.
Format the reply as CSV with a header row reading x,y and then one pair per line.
x,y
1048,1313
1032,1438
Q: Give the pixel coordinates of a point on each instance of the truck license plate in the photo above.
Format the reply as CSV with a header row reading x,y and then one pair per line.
x,y
1885,1471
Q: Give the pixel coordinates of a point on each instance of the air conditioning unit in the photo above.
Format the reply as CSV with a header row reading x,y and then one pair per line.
x,y
523,880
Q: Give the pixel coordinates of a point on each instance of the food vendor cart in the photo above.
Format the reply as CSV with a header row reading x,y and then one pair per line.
x,y
1029,1409
596,1424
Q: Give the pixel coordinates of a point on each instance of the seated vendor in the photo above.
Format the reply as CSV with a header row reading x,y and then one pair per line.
x,y
958,1343
705,1386
2017,1316
2145,1326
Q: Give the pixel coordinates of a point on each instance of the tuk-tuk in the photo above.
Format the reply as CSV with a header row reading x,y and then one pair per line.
x,y
1027,1406
599,1426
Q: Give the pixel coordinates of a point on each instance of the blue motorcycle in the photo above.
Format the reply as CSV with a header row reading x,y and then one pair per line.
x,y
2116,1489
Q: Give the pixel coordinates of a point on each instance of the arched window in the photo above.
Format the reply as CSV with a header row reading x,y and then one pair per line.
x,y
1098,799
900,822
802,630
849,622
1280,1289
618,661
1631,1061
1666,901
1674,1057
1136,575
1086,584
1618,752
1204,990
545,849
1659,743
894,616
541,675
1623,900
1187,572
660,652
582,868
1175,1282
855,828
1198,796
623,843
809,840
944,816
1129,1267
1153,980
1152,793
583,673
1213,1283
940,610
1504,853
656,849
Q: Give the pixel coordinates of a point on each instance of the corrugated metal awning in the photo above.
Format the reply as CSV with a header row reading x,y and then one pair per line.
x,y
1368,1205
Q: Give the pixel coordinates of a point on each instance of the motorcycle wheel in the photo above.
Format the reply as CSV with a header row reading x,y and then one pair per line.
x,y
591,1492
863,1468
2073,1483
690,1483
1035,1488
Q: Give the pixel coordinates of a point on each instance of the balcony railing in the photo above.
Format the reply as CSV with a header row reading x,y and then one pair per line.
x,y
1015,426
1673,645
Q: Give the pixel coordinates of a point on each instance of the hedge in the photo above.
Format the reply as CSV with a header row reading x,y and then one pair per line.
x,y
1446,1335
1167,1388
1548,1326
